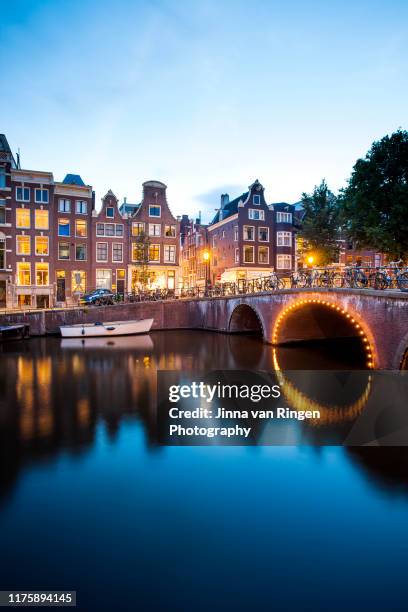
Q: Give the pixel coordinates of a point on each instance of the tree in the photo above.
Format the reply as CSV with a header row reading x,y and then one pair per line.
x,y
141,260
320,228
375,202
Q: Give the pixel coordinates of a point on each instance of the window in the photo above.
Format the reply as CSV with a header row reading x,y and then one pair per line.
x,y
41,274
119,229
2,211
171,279
2,176
64,206
214,241
81,207
154,210
154,229
170,231
256,199
248,254
100,229
236,233
78,281
103,279
263,255
137,228
23,273
23,245
81,229
117,251
63,250
257,215
237,256
263,234
109,229
2,254
101,251
41,245
169,253
154,252
110,212
41,196
22,194
41,219
138,252
283,262
283,217
23,217
80,252
284,239
249,233
63,227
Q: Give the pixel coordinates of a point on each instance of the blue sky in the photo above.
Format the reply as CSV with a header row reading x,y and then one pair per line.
x,y
204,95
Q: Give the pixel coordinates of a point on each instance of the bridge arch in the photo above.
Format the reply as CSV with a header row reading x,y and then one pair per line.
x,y
316,318
246,319
400,361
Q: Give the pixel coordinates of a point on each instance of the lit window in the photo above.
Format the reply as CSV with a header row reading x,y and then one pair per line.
x,y
109,229
80,252
63,250
283,262
41,245
23,217
101,251
41,219
103,279
23,245
170,231
64,206
169,253
41,274
154,252
237,256
110,212
284,239
154,229
263,255
256,199
154,210
248,254
81,207
81,228
257,215
119,229
23,273
78,281
63,227
22,194
139,252
249,233
137,228
100,229
283,217
117,251
41,196
263,234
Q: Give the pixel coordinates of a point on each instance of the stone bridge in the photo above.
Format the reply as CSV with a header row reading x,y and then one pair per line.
x,y
379,318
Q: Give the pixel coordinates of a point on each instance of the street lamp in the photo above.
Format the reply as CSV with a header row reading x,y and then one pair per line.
x,y
206,258
310,260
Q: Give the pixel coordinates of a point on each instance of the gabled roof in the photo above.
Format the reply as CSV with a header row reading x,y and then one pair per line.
x,y
229,209
73,179
128,208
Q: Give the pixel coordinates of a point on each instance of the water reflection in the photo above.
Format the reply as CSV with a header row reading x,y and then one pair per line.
x,y
54,393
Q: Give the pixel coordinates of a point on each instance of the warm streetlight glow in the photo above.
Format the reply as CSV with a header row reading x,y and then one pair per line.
x,y
206,256
310,259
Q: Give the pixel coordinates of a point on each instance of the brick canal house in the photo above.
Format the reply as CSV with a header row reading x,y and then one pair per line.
x,y
249,238
110,239
154,242
195,253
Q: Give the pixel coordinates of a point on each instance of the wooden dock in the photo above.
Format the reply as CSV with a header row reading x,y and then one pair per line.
x,y
17,331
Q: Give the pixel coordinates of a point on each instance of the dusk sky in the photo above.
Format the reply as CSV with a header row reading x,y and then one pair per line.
x,y
205,96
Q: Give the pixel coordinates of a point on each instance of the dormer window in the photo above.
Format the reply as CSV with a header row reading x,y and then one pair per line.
x,y
256,199
110,212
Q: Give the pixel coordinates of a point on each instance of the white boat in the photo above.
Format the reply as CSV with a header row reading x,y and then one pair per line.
x,y
112,328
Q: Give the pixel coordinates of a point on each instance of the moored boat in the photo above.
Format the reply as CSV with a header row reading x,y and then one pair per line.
x,y
112,328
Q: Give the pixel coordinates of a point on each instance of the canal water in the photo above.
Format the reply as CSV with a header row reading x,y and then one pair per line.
x,y
89,501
